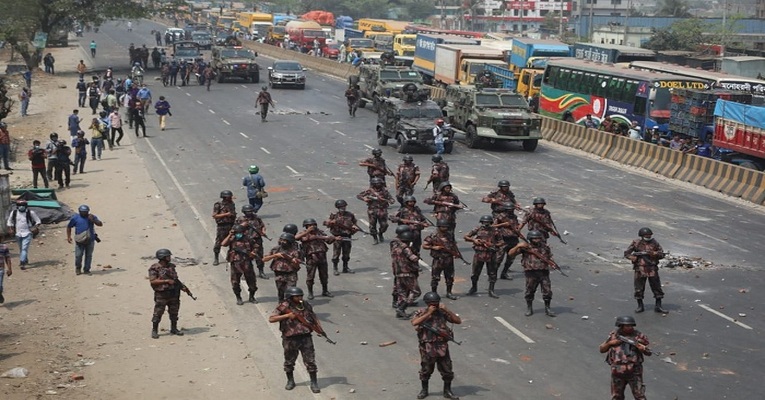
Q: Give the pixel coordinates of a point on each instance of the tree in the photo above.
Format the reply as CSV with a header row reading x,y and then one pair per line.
x,y
681,35
674,8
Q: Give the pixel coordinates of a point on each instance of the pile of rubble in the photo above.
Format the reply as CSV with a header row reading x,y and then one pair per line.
x,y
675,261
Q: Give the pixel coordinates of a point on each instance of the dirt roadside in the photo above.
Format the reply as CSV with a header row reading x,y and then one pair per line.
x,y
63,327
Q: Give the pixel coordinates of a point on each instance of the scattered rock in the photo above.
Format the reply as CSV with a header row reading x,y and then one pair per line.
x,y
386,344
668,361
742,290
76,377
548,326
585,317
705,355
742,315
352,391
51,392
364,343
18,372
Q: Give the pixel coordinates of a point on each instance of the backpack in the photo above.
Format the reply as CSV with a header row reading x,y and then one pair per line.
x,y
30,222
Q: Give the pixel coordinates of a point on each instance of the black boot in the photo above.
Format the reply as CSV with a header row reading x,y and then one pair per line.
x,y
290,381
380,236
504,274
215,261
347,270
548,311
448,391
434,288
658,308
314,383
449,294
474,288
395,301
252,297
310,292
401,312
374,238
334,268
325,292
238,294
155,330
529,308
491,291
640,308
261,274
174,328
424,391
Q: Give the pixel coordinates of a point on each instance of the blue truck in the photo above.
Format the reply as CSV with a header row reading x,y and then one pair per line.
x,y
505,77
425,51
527,50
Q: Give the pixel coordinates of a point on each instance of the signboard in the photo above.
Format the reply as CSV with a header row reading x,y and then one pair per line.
x,y
550,6
40,40
518,5
537,5
681,85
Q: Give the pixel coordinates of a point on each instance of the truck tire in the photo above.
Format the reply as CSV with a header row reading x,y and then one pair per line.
x,y
401,145
382,140
221,77
471,137
530,145
749,165
448,147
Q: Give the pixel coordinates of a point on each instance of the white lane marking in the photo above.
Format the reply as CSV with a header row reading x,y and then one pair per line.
x,y
368,146
721,241
324,193
514,330
225,122
491,155
199,102
339,133
245,136
317,122
336,96
363,221
265,151
189,94
244,86
723,316
459,190
597,256
211,111
292,169
317,90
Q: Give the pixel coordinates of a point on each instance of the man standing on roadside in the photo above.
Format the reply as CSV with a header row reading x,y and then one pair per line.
x,y
82,92
37,156
263,101
51,149
5,267
82,69
167,292
74,123
5,146
22,223
85,237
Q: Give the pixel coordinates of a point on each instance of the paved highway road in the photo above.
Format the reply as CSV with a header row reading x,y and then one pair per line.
x,y
308,153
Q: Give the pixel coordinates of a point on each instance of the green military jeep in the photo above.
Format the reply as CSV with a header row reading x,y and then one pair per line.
x,y
378,81
409,120
235,62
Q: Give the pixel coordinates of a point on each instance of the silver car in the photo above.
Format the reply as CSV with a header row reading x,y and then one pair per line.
x,y
286,73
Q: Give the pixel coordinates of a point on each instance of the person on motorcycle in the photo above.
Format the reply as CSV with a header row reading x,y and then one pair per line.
x,y
137,73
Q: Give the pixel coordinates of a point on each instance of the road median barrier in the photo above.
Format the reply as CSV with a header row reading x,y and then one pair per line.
x,y
582,138
725,178
549,128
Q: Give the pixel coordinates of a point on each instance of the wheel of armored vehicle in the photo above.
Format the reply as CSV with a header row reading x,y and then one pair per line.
x,y
401,145
471,137
530,145
448,147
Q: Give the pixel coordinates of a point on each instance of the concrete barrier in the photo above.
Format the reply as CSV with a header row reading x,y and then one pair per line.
x,y
581,138
549,128
723,177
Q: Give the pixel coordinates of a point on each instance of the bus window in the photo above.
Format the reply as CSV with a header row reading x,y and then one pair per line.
x,y
537,82
563,77
640,105
525,78
615,88
602,85
588,82
576,79
630,89
550,75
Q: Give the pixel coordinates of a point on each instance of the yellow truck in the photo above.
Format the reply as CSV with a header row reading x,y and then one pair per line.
x,y
256,23
383,25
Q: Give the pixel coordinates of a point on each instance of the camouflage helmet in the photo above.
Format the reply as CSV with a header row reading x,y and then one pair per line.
x,y
226,193
409,198
402,228
486,219
376,181
408,158
162,253
292,291
539,200
625,320
290,228
309,221
239,228
443,185
443,223
535,234
645,232
503,183
287,236
376,152
431,297
436,158
341,203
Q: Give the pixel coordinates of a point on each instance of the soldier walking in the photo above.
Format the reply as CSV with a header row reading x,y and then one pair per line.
x,y
439,172
405,271
256,230
625,348
445,205
407,175
434,334
443,249
167,292
486,242
241,251
342,224
285,263
378,199
314,244
645,254
263,101
224,214
411,215
376,167
536,266
294,316
507,225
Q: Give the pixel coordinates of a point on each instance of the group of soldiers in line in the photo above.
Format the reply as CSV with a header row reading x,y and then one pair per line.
x,y
497,238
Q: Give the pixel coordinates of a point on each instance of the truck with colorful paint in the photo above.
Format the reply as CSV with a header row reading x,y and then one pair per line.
x,y
425,51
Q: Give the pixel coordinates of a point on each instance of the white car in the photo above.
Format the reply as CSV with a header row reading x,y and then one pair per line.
x,y
176,33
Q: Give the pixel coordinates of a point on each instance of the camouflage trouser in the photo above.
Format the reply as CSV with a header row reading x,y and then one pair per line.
x,y
620,382
317,261
435,183
445,265
243,268
429,363
259,253
407,289
220,233
377,216
416,242
653,281
341,247
170,299
283,281
510,242
403,191
304,345
479,259
533,279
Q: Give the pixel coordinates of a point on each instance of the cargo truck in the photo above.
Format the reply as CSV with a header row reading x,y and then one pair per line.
x,y
460,64
257,24
303,33
740,128
382,25
425,51
526,50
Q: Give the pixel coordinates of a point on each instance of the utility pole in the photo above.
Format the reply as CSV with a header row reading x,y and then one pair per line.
x,y
560,22
521,24
589,24
627,21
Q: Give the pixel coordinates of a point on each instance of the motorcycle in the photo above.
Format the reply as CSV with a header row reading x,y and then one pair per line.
x,y
137,76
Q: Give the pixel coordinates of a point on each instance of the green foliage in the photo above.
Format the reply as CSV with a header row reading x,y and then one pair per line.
x,y
689,35
5,102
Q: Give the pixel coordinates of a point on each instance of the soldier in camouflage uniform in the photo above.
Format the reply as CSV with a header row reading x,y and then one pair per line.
x,y
167,292
296,335
286,259
224,214
241,251
407,176
539,219
314,245
502,198
376,167
536,269
442,248
509,231
626,359
439,172
445,205
256,230
411,215
434,346
645,254
405,271
378,199
486,242
342,224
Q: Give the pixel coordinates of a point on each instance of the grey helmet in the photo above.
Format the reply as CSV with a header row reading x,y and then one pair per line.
x,y
625,320
162,253
290,228
292,291
431,297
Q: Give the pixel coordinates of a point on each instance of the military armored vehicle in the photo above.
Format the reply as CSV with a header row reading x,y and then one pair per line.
x,y
377,81
489,115
235,62
409,120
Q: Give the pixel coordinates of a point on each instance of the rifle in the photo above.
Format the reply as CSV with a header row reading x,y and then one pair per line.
x,y
184,288
445,204
552,229
483,243
361,230
465,206
546,260
266,236
645,253
455,252
411,222
555,231
449,335
314,327
428,182
515,230
389,172
633,342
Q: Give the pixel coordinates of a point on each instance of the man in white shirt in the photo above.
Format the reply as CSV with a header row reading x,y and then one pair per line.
x,y
438,135
21,222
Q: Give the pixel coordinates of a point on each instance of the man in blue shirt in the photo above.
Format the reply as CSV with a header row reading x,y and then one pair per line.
x,y
144,96
74,123
84,243
255,187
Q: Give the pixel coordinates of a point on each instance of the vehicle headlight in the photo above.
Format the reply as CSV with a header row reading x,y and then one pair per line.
x,y
277,75
413,133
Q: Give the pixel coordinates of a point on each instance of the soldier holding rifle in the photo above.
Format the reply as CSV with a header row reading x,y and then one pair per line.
x,y
645,254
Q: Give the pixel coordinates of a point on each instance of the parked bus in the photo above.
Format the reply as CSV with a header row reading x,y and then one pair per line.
x,y
581,87
718,80
611,53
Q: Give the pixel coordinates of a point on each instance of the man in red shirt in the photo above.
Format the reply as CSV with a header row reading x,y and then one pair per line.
x,y
37,156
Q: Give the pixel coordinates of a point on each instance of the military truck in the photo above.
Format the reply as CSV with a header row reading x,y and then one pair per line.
x,y
489,115
409,120
235,62
377,81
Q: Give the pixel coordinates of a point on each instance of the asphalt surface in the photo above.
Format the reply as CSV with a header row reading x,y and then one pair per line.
x,y
308,154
